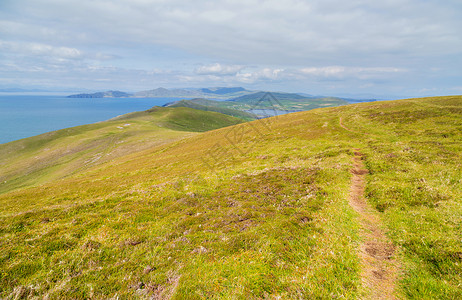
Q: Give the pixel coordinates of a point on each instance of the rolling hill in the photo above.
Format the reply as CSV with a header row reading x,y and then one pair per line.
x,y
286,101
107,94
355,201
236,97
211,105
60,153
215,93
261,104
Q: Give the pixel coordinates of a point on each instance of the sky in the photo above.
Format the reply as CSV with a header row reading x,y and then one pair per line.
x,y
357,48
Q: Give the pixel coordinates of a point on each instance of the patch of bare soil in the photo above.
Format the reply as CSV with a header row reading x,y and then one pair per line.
x,y
377,253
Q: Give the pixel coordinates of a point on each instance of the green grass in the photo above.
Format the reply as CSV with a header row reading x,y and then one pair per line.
x,y
261,100
184,118
286,101
415,181
210,105
257,210
58,154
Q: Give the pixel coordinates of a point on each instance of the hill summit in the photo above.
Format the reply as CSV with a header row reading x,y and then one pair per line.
x,y
355,201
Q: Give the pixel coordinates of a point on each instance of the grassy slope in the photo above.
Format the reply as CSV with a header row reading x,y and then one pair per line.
x,y
210,105
60,153
285,101
271,219
413,154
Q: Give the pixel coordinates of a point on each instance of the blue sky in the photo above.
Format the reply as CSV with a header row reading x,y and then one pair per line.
x,y
387,48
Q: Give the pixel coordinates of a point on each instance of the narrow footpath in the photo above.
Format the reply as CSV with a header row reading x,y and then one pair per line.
x,y
376,252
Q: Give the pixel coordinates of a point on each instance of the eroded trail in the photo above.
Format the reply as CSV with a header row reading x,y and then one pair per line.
x,y
377,253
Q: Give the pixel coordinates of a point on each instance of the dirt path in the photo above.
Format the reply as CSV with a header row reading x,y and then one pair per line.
x,y
348,129
379,267
343,126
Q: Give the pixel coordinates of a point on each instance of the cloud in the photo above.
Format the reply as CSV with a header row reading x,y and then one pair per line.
x,y
457,89
395,42
358,72
265,74
265,32
218,69
38,49
250,74
55,52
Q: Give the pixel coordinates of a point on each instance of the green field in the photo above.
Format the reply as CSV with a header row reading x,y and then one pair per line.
x,y
240,106
216,106
284,101
258,210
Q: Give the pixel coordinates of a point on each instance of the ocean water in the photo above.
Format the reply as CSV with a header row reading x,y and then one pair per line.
x,y
24,116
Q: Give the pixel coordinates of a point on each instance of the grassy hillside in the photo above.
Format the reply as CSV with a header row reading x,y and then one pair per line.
x,y
211,105
261,103
257,210
60,153
286,101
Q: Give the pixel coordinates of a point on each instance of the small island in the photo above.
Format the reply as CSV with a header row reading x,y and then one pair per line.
x,y
107,94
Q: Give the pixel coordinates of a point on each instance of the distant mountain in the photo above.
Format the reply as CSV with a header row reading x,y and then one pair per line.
x,y
224,93
214,93
260,104
107,94
259,95
236,98
306,95
211,105
163,92
288,101
223,90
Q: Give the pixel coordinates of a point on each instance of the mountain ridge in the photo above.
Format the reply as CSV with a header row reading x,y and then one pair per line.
x,y
107,94
222,93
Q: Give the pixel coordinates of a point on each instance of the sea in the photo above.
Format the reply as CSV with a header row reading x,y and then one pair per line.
x,y
24,116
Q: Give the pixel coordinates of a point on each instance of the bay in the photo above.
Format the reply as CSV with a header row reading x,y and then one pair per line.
x,y
24,116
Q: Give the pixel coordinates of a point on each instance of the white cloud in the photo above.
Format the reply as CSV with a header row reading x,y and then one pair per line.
x,y
44,50
358,72
324,71
247,74
240,41
38,49
265,74
266,32
218,69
